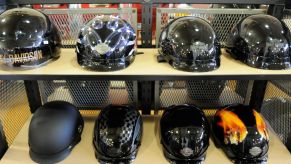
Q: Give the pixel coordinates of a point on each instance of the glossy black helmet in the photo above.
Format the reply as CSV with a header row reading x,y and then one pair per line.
x,y
184,134
242,133
190,44
54,130
117,134
106,43
261,41
3,142
27,38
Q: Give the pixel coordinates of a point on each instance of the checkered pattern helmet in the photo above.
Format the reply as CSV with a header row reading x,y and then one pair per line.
x,y
117,134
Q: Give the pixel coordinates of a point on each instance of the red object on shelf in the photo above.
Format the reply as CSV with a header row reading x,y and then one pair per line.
x,y
85,5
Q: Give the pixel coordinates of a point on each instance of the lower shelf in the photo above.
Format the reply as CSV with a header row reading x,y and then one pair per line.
x,y
150,150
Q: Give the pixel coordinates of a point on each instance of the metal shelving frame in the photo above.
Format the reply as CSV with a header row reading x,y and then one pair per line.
x,y
276,8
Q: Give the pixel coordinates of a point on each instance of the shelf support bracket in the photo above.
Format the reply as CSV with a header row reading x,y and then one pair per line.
x,y
33,94
146,96
258,93
146,27
276,10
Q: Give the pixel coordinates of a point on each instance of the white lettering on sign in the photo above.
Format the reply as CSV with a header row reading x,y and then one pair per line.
x,y
21,57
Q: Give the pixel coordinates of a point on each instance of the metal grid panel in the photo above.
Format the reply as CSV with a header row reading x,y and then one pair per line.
x,y
70,21
277,109
287,18
14,107
222,20
89,94
206,94
278,88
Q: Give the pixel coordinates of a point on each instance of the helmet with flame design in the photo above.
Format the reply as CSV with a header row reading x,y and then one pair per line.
x,y
242,133
184,134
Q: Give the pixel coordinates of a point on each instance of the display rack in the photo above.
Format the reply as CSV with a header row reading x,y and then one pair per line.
x,y
147,71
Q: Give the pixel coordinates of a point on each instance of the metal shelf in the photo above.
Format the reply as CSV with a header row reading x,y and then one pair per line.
x,y
145,67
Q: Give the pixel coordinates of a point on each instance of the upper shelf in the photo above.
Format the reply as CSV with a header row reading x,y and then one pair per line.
x,y
147,1
145,67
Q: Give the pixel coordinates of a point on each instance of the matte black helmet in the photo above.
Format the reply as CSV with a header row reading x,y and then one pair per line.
x,y
242,133
184,134
106,43
190,44
27,38
261,41
117,134
54,130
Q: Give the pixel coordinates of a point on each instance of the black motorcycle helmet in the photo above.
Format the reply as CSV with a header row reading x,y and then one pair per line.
x,y
106,43
3,142
242,133
261,41
54,130
184,134
190,44
117,134
27,38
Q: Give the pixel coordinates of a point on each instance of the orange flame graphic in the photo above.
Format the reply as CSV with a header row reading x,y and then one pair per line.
x,y
234,129
261,126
